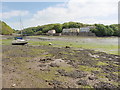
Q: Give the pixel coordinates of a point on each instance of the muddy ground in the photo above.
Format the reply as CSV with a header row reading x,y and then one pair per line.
x,y
53,67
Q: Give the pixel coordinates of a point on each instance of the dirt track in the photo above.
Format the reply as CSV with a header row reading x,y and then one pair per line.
x,y
52,67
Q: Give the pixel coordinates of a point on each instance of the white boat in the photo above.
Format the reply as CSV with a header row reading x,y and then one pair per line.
x,y
19,41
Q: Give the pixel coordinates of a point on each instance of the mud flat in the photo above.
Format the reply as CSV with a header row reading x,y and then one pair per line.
x,y
58,67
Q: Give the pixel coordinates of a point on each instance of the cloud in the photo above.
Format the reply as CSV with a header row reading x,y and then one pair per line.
x,y
79,10
84,11
7,15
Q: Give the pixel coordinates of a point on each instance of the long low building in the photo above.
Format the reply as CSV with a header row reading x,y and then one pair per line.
x,y
86,29
82,29
71,30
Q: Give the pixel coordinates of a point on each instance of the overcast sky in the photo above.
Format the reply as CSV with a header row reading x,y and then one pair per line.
x,y
40,13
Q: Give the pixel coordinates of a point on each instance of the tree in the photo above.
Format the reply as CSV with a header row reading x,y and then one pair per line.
x,y
110,31
46,28
65,25
101,30
58,28
28,32
115,29
38,33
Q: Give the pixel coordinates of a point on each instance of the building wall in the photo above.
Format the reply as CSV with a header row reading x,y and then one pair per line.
x,y
84,29
70,30
84,34
51,32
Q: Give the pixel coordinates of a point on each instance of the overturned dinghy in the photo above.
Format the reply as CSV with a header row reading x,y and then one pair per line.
x,y
19,41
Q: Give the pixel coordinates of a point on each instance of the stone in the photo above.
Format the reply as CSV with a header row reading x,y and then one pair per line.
x,y
92,77
67,47
54,65
13,85
50,43
82,82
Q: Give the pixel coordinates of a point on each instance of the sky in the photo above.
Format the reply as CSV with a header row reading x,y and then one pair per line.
x,y
33,12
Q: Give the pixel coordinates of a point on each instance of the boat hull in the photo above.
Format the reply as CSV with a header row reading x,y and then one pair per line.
x,y
19,43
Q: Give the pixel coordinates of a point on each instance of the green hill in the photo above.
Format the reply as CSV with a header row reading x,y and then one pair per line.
x,y
100,30
5,29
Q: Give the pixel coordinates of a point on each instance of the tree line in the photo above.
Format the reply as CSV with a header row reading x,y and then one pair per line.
x,y
106,30
57,27
100,30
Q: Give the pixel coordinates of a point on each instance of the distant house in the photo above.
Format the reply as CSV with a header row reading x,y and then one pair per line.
x,y
86,29
70,30
51,32
83,31
14,34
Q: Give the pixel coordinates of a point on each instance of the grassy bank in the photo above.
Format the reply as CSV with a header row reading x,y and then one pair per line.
x,y
95,43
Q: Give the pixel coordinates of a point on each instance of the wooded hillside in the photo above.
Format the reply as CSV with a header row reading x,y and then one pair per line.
x,y
100,30
5,29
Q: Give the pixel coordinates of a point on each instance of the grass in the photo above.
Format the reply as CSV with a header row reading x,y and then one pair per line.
x,y
87,87
81,43
89,69
66,68
109,48
116,73
112,49
46,75
101,63
6,42
35,51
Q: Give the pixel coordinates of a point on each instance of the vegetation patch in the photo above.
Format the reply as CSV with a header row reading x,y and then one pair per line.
x,y
116,73
87,68
66,68
101,63
86,87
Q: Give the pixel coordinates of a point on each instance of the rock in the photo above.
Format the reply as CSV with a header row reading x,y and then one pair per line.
x,y
13,70
50,43
13,85
74,74
62,72
67,47
112,77
55,83
41,65
94,56
82,82
29,68
54,65
77,74
105,86
48,59
95,72
92,77
46,80
45,59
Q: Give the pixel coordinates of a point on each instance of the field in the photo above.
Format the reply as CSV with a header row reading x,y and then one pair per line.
x,y
68,62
